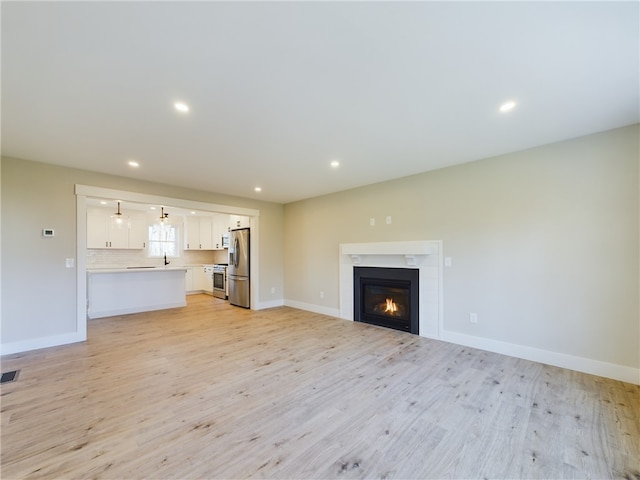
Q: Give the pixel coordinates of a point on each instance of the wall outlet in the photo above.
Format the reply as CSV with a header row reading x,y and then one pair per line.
x,y
388,219
448,262
69,262
473,317
372,222
321,294
273,289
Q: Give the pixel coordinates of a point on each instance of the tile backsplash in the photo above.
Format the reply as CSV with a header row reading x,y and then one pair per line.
x,y
103,258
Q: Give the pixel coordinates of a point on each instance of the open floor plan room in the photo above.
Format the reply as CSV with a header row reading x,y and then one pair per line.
x,y
213,391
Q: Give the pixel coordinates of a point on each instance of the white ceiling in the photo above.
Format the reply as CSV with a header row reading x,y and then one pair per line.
x,y
278,90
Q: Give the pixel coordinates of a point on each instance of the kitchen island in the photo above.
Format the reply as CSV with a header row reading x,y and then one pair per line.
x,y
119,291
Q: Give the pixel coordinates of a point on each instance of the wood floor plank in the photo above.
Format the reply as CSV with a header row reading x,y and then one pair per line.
x,y
215,391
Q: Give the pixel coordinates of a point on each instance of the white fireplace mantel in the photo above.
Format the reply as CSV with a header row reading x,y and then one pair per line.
x,y
411,251
425,255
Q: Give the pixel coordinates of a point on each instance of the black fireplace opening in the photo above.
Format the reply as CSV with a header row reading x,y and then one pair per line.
x,y
387,297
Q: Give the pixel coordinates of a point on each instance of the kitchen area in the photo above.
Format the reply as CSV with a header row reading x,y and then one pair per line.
x,y
149,257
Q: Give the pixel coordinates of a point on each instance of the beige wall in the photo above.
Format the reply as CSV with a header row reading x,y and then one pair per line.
x,y
38,292
544,243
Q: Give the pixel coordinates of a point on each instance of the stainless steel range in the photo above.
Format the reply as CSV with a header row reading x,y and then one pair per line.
x,y
220,286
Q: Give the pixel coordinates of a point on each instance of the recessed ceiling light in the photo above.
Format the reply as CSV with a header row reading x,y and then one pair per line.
x,y
152,208
335,163
181,107
193,213
507,106
102,202
258,189
133,163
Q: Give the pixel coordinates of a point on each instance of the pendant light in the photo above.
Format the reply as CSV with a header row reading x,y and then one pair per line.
x,y
164,217
119,219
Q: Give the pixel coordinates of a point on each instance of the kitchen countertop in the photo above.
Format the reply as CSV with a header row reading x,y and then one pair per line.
x,y
135,269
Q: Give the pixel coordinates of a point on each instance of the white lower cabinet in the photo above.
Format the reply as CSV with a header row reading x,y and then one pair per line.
x,y
207,281
188,280
198,279
195,280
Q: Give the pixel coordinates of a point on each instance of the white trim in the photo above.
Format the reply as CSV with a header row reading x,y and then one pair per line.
x,y
0,259
90,191
413,248
43,342
81,267
309,307
84,191
563,360
254,271
269,304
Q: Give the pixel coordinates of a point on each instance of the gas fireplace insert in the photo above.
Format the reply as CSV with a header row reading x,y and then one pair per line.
x,y
387,297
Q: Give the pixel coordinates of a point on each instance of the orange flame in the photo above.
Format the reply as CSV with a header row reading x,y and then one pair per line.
x,y
391,307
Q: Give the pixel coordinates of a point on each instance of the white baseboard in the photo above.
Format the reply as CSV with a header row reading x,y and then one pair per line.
x,y
269,304
563,360
44,342
333,312
580,364
136,309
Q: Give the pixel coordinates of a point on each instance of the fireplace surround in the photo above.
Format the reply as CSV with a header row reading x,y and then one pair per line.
x,y
423,255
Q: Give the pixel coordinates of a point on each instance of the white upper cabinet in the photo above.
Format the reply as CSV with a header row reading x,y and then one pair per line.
x,y
239,221
138,231
205,232
192,233
104,232
97,234
118,233
206,235
220,228
198,234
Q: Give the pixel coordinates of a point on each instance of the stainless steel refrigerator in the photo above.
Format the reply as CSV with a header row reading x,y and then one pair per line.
x,y
238,270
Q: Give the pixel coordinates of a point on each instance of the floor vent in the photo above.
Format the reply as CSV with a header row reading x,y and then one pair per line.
x,y
9,376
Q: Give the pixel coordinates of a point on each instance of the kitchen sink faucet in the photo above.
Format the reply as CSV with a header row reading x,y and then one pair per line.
x,y
166,262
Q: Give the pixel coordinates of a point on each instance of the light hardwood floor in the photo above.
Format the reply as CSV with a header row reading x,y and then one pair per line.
x,y
214,391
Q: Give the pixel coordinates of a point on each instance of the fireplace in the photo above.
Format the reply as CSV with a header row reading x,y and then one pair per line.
x,y
387,297
422,255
